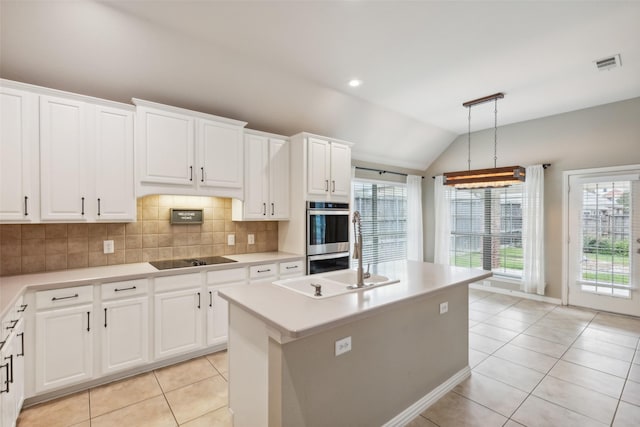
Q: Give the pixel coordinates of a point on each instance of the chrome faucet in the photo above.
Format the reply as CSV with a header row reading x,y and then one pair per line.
x,y
357,250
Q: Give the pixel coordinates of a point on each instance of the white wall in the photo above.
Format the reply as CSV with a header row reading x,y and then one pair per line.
x,y
607,135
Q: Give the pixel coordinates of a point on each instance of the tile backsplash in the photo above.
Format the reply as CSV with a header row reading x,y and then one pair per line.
x,y
34,248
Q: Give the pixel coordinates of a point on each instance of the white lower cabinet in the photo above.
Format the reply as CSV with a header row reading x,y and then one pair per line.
x,y
64,347
125,334
12,376
217,307
178,315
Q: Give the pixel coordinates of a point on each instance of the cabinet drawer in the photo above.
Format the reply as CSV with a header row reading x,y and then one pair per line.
x,y
292,267
226,276
64,297
124,289
262,271
181,281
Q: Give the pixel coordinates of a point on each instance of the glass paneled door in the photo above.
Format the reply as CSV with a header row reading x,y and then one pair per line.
x,y
604,240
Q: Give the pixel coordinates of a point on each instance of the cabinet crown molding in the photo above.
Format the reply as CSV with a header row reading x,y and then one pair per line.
x,y
178,110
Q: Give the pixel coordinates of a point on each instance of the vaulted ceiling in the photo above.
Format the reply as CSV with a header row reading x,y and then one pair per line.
x,y
284,66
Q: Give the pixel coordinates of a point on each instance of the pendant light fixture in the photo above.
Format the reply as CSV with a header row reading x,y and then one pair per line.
x,y
484,178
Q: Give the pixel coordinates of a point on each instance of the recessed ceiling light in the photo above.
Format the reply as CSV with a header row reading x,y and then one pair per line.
x,y
355,82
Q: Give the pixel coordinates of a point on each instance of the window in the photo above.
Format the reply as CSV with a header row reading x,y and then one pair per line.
x,y
486,229
606,225
383,208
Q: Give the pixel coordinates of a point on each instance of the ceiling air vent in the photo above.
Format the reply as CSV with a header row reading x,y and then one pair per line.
x,y
609,62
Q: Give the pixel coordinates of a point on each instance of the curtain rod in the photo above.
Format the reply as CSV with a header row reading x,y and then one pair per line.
x,y
544,166
382,171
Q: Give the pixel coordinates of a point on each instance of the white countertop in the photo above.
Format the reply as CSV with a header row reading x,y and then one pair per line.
x,y
13,286
296,316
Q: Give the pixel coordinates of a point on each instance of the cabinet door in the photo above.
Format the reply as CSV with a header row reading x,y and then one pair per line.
x,y
220,155
166,147
278,179
63,159
217,317
64,347
340,170
318,166
7,383
115,196
125,334
19,163
18,366
256,177
178,322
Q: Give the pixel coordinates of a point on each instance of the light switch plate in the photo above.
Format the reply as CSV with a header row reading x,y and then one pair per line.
x,y
251,239
231,239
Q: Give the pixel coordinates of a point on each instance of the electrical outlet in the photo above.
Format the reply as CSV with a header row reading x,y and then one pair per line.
x,y
444,307
107,246
343,346
231,239
251,239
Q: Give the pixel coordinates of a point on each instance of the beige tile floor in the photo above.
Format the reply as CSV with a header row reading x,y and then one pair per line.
x,y
192,394
533,364
536,364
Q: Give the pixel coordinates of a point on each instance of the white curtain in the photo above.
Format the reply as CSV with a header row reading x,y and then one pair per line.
x,y
533,231
442,233
414,218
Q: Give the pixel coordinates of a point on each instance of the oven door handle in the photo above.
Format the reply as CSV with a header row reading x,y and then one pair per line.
x,y
327,212
328,256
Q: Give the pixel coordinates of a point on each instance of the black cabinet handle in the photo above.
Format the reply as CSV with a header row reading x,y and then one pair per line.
x,y
190,173
210,299
61,298
334,186
326,185
26,206
201,174
6,366
264,271
198,299
13,325
264,209
98,206
82,213
10,372
23,307
21,354
124,289
88,321
105,317
272,208
291,267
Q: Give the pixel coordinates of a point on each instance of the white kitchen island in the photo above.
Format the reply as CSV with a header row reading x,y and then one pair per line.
x,y
283,368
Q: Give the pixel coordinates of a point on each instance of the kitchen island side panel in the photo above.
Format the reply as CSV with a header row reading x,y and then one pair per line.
x,y
397,357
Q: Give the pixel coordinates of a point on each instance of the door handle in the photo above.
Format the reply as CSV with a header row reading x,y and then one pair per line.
x,y
10,377
210,299
105,317
26,206
264,209
61,298
198,299
201,174
326,185
88,321
333,183
82,212
6,366
190,173
272,209
98,206
21,354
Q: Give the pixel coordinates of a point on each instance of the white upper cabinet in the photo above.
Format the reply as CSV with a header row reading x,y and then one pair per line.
x,y
64,159
221,154
266,191
19,164
166,145
186,152
327,167
71,157
114,190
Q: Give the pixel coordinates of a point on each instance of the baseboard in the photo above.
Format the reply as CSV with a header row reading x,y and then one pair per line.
x,y
406,416
519,294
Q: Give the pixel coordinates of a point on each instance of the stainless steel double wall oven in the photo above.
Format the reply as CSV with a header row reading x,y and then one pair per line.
x,y
327,236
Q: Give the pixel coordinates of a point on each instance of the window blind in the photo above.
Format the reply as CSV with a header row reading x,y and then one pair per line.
x,y
486,229
383,209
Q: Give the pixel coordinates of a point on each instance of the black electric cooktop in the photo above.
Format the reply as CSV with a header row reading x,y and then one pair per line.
x,y
190,262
